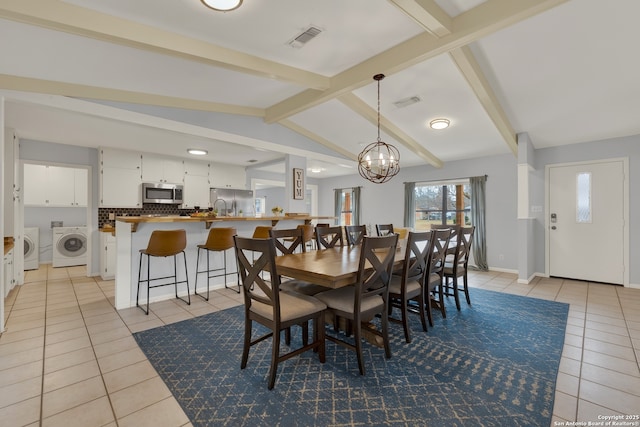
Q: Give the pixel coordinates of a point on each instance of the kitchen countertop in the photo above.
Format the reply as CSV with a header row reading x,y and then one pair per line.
x,y
135,220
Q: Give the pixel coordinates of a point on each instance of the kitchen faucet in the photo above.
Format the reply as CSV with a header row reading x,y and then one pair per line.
x,y
225,205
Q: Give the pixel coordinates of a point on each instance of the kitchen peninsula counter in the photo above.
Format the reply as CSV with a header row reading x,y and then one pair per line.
x,y
133,233
208,220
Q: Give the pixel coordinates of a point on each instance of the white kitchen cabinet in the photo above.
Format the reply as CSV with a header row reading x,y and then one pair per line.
x,y
55,186
8,280
107,256
35,188
196,184
120,179
227,176
196,191
192,167
162,169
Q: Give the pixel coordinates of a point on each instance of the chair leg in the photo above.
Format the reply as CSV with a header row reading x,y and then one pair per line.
x,y
186,278
275,355
466,288
148,281
195,291
443,309
456,294
318,333
247,343
357,336
428,307
225,273
405,322
385,333
138,291
422,312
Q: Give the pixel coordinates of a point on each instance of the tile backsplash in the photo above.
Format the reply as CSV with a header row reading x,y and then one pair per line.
x,y
147,209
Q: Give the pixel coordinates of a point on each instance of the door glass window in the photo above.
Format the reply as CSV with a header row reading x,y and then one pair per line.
x,y
583,197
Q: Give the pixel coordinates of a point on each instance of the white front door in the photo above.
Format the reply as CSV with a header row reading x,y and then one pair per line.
x,y
586,225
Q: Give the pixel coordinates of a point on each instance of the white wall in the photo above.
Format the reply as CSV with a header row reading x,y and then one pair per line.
x,y
383,203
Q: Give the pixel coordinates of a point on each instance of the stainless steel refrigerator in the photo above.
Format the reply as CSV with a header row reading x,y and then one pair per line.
x,y
229,202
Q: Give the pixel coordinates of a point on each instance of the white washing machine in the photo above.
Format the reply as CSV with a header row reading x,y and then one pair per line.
x,y
31,248
69,246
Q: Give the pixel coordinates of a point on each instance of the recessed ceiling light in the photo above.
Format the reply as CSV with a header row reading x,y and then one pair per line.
x,y
439,124
317,170
197,151
222,5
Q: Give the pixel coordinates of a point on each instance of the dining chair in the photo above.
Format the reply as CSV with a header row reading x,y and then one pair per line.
x,y
219,239
288,241
162,244
409,284
433,280
329,237
276,310
367,297
458,266
355,234
384,229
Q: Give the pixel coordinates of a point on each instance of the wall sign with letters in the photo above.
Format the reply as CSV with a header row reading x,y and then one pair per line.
x,y
298,184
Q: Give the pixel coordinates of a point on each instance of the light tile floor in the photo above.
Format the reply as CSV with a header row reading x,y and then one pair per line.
x,y
67,357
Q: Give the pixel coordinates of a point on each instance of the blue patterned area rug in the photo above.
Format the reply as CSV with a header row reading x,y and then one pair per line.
x,y
491,364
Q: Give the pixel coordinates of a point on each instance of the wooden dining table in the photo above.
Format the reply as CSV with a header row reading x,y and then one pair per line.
x,y
333,267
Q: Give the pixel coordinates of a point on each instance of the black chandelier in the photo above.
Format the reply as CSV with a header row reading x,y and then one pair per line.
x,y
379,161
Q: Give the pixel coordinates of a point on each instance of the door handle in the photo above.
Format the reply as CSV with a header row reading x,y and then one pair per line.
x,y
553,227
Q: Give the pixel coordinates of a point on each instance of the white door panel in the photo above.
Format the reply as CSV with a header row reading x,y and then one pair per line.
x,y
586,221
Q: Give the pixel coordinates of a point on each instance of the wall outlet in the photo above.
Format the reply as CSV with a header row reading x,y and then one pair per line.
x,y
56,224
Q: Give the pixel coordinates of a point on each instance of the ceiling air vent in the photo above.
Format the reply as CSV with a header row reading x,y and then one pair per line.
x,y
407,101
305,37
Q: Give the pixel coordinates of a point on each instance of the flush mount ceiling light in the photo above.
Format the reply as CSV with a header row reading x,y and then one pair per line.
x,y
439,124
197,152
222,5
379,161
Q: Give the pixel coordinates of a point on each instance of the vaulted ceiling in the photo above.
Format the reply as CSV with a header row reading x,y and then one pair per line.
x,y
167,75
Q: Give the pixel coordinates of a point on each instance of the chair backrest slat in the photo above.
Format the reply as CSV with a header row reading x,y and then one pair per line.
x,y
417,256
384,229
255,256
288,241
376,267
355,234
329,237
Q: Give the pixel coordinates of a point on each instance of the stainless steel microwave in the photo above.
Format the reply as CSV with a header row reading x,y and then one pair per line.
x,y
159,192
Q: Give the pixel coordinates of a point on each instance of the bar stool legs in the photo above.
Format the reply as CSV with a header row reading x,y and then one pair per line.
x,y
164,243
218,240
209,270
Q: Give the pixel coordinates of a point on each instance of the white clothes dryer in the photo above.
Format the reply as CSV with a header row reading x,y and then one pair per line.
x,y
31,244
69,246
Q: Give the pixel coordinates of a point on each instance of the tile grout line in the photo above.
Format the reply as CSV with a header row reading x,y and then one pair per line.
x,y
93,350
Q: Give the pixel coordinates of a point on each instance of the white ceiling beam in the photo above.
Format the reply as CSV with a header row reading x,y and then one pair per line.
x,y
360,107
472,25
62,16
428,15
317,138
26,84
470,69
